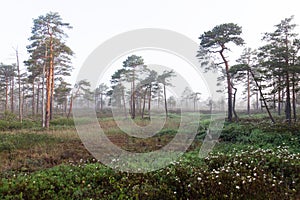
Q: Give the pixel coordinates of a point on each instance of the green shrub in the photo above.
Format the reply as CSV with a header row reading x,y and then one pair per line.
x,y
281,127
9,116
167,132
62,122
24,140
250,174
17,125
9,125
236,132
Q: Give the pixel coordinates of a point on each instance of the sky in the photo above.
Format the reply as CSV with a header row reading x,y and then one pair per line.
x,y
95,21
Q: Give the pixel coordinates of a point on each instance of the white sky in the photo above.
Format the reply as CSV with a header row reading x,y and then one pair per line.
x,y
95,21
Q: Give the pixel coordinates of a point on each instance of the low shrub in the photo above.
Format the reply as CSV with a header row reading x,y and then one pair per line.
x,y
236,132
250,174
62,122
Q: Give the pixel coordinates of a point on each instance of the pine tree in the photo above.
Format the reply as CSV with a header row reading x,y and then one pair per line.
x,y
283,46
48,45
216,41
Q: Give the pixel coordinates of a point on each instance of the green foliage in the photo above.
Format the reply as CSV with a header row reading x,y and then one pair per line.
x,y
265,135
62,122
280,127
222,34
6,125
9,116
235,132
254,160
250,174
167,132
10,141
12,124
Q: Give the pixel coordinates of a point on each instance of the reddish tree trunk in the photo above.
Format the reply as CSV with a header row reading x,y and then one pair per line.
x,y
49,85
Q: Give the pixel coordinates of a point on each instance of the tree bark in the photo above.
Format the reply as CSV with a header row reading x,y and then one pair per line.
x,y
149,102
294,99
165,97
133,95
229,89
262,96
12,94
33,98
101,102
144,103
65,106
19,83
43,91
52,92
279,102
233,104
38,98
70,107
248,92
6,92
257,101
124,103
288,115
49,84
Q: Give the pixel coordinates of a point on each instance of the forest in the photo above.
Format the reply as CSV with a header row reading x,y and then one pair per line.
x,y
256,155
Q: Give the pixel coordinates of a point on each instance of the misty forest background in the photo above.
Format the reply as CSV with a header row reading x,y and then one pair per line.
x,y
268,76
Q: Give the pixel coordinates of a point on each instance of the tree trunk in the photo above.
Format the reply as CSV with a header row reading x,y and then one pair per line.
x,y
43,91
52,92
38,98
262,97
294,99
279,102
96,102
6,92
165,97
158,98
140,104
257,101
33,98
71,107
274,101
229,89
144,103
282,99
279,95
49,85
133,96
19,83
65,106
288,115
12,94
124,103
101,102
24,103
248,95
149,101
233,104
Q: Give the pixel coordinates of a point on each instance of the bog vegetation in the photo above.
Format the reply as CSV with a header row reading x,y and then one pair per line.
x,y
257,155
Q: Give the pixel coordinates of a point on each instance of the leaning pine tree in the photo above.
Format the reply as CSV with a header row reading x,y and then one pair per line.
x,y
215,41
